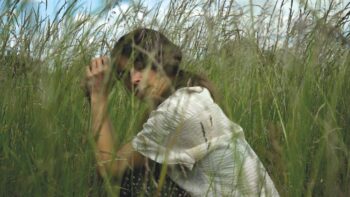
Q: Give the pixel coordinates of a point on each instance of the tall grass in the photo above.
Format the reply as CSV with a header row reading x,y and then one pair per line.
x,y
287,85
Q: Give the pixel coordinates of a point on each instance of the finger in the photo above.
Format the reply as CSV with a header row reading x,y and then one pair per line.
x,y
105,60
92,65
99,63
100,66
88,71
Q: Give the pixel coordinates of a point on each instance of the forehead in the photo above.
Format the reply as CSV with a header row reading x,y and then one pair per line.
x,y
137,61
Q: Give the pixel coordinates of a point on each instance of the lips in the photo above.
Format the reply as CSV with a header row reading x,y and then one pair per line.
x,y
138,92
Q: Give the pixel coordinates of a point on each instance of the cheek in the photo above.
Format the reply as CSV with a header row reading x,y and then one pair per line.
x,y
153,78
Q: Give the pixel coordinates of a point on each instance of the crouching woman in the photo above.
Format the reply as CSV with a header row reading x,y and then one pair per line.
x,y
187,146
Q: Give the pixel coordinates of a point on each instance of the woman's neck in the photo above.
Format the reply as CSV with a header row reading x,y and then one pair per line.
x,y
156,101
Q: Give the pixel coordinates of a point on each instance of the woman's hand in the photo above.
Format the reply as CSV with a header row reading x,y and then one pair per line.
x,y
97,76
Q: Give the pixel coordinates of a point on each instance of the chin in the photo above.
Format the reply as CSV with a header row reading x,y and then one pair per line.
x,y
147,97
142,95
139,95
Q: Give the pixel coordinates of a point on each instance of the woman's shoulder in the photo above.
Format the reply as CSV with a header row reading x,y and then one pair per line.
x,y
192,90
188,96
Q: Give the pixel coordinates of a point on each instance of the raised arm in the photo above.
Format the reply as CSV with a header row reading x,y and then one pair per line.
x,y
109,160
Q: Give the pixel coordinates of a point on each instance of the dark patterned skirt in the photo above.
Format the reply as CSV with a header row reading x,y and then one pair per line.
x,y
144,182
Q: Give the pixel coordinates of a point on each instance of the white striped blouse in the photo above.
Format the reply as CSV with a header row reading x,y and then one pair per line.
x,y
206,153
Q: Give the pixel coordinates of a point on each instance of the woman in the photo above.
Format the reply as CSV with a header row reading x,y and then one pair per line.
x,y
187,135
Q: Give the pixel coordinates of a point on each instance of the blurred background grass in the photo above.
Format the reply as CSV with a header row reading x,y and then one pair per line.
x,y
289,90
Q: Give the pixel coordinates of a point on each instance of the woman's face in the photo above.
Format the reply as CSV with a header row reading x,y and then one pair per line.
x,y
148,83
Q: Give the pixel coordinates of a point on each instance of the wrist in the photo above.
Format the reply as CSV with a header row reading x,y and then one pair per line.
x,y
98,99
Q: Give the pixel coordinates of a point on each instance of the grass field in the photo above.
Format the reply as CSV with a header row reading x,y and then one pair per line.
x,y
286,84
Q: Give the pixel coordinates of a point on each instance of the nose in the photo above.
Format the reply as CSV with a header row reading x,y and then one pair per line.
x,y
136,77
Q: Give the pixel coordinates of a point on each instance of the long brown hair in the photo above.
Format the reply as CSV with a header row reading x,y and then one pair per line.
x,y
147,47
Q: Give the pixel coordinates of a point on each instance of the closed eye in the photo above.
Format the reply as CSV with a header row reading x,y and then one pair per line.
x,y
139,66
